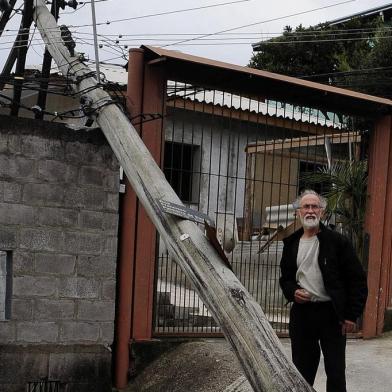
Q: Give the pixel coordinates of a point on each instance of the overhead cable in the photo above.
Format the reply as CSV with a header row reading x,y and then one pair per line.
x,y
263,21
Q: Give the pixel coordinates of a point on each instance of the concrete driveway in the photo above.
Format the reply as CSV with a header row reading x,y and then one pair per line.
x,y
369,366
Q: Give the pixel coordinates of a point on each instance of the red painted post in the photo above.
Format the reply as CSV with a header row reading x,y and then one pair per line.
x,y
378,225
152,134
128,218
386,256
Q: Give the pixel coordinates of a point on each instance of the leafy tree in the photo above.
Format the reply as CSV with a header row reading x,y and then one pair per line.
x,y
356,55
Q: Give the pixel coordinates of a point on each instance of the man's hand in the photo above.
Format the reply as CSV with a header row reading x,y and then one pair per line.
x,y
301,296
348,327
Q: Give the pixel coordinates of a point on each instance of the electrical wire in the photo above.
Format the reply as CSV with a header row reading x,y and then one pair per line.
x,y
211,41
238,33
162,44
236,36
263,21
354,71
160,14
168,12
216,5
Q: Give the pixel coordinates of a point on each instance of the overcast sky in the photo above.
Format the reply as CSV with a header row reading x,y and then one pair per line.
x,y
261,18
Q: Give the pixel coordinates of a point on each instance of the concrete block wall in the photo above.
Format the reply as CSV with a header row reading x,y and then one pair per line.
x,y
58,218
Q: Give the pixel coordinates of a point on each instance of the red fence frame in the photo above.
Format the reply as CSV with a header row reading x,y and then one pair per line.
x,y
148,70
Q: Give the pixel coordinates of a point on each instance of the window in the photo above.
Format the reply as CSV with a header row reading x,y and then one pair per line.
x,y
179,167
5,285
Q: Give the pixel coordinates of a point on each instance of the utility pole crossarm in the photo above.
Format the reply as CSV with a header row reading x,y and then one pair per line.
x,y
240,317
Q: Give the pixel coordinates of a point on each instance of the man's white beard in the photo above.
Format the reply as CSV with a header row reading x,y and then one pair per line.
x,y
310,223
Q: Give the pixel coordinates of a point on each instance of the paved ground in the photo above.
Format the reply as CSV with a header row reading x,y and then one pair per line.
x,y
210,366
369,366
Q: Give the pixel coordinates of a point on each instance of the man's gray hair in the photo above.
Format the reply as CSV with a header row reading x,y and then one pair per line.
x,y
297,202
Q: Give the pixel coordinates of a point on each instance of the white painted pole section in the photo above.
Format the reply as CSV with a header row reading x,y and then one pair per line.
x,y
241,318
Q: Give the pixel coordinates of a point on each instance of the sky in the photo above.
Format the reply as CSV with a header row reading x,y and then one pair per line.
x,y
223,32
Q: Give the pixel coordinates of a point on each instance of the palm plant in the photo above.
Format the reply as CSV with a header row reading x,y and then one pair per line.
x,y
345,191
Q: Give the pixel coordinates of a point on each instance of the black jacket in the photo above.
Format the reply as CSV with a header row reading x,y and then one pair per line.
x,y
343,275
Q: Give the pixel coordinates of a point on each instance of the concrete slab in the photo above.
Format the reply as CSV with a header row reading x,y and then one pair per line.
x,y
369,366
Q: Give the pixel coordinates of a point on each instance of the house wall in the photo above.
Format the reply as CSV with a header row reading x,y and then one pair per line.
x,y
275,182
220,158
58,223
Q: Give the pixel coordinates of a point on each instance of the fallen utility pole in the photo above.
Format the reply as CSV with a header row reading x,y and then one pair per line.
x,y
242,321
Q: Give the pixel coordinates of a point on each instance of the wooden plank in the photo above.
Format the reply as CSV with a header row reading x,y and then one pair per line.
x,y
284,144
239,315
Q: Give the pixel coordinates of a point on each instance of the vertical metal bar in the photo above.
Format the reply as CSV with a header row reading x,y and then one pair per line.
x,y
257,142
270,198
247,200
210,154
193,176
267,136
248,263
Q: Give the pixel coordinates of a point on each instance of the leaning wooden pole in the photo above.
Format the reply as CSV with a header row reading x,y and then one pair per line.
x,y
240,317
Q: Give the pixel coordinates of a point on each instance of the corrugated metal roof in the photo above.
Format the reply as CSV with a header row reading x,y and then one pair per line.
x,y
192,67
270,108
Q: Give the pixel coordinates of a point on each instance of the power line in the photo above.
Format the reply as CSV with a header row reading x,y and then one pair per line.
x,y
262,22
170,12
160,14
202,7
312,32
321,40
217,42
347,72
138,39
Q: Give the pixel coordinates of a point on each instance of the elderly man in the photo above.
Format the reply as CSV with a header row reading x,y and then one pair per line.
x,y
322,276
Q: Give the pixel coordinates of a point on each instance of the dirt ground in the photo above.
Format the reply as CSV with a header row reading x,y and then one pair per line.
x,y
209,365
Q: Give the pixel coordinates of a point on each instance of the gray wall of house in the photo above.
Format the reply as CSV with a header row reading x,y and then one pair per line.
x,y
220,158
58,223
